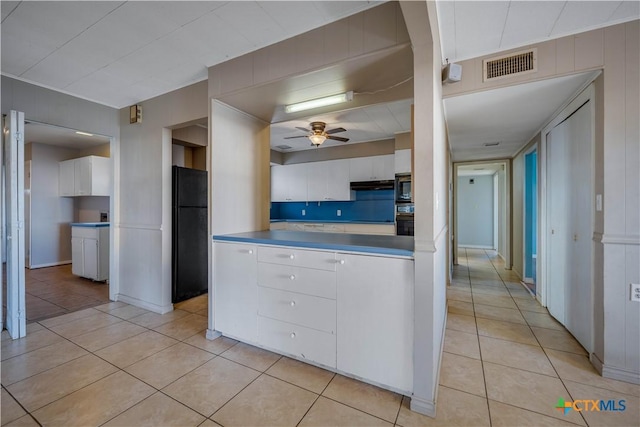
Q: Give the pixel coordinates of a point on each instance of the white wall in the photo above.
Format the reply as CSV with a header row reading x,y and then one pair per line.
x,y
475,211
142,218
240,171
431,183
50,214
88,209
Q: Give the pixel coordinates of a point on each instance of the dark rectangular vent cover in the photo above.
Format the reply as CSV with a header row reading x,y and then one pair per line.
x,y
509,65
284,147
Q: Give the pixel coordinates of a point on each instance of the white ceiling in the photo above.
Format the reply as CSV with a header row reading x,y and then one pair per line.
x,y
116,53
469,29
510,116
60,137
120,53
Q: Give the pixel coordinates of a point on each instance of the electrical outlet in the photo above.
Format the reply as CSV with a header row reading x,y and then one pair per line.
x,y
339,212
635,292
304,212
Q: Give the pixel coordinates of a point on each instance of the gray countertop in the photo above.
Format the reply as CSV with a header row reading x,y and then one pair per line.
x,y
332,221
365,243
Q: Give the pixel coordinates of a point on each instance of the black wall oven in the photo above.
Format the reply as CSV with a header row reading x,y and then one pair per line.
x,y
404,224
403,188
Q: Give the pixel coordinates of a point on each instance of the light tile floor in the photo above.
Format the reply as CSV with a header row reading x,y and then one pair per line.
x,y
505,363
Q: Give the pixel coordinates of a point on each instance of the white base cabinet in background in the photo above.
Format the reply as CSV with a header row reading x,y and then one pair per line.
x,y
90,252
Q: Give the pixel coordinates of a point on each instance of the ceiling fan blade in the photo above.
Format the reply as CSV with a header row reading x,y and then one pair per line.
x,y
291,137
338,138
336,130
303,129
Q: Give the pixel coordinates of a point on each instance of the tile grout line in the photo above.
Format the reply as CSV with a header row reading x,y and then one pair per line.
x,y
484,375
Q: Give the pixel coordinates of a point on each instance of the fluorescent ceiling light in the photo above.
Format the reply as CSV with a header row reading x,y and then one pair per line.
x,y
84,133
319,102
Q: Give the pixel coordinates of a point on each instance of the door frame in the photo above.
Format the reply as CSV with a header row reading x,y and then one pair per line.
x,y
534,148
506,163
13,220
542,270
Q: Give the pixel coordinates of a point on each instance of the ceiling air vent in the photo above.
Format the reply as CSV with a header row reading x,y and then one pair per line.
x,y
510,65
284,147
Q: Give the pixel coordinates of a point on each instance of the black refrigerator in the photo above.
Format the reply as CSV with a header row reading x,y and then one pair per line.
x,y
190,242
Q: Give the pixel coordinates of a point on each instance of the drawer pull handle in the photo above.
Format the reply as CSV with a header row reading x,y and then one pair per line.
x,y
292,303
342,261
292,256
292,277
293,335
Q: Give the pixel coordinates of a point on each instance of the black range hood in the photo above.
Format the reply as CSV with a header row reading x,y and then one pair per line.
x,y
388,184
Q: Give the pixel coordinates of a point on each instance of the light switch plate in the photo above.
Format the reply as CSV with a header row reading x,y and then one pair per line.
x,y
339,212
304,212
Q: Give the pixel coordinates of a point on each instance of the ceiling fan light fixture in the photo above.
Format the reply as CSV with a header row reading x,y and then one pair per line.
x,y
317,139
319,102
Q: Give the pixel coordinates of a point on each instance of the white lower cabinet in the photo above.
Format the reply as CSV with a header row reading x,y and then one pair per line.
x,y
350,313
235,295
375,319
90,252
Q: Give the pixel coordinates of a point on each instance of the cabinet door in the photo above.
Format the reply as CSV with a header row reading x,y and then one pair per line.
x,y
90,258
82,167
297,177
66,178
382,167
100,174
77,256
375,300
360,169
402,161
337,174
279,184
317,181
235,298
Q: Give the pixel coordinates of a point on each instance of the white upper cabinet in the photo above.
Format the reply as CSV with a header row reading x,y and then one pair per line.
x,y
338,187
403,161
372,168
85,176
289,183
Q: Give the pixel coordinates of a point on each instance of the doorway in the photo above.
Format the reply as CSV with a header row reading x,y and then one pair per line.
x,y
482,207
530,219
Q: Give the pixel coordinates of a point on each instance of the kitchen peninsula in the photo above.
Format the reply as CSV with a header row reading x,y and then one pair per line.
x,y
340,301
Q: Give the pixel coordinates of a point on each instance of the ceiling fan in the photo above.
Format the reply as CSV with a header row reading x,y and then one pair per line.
x,y
317,135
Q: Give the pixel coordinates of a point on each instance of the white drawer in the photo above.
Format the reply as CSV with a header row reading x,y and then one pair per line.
x,y
87,232
321,283
298,341
313,312
298,257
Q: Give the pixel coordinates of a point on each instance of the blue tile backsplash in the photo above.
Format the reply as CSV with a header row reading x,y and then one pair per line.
x,y
369,205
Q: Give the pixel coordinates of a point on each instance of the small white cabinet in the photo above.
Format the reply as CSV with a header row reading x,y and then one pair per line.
x,y
403,161
328,181
85,176
90,252
372,168
235,296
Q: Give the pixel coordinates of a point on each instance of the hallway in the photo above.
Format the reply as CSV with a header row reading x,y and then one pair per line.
x,y
506,361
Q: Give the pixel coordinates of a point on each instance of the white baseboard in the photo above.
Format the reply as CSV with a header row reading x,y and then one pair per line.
x,y
212,335
424,407
160,309
51,264
620,374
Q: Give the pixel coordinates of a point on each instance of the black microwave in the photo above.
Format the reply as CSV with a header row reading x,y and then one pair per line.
x,y
403,188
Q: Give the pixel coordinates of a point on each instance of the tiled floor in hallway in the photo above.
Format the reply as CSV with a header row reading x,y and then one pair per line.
x,y
505,362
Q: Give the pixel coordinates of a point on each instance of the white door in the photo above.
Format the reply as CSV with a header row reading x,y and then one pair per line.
x,y
579,298
557,191
570,224
14,201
